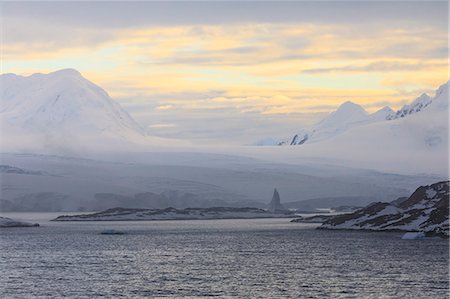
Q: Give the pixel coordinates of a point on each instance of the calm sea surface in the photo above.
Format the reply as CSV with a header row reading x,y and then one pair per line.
x,y
263,258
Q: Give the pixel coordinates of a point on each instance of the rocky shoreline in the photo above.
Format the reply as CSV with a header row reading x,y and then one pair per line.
x,y
123,214
426,210
8,222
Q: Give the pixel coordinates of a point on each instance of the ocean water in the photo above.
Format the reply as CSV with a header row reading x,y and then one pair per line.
x,y
261,258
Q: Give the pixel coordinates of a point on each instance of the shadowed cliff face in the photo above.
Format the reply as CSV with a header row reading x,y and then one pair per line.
x,y
427,209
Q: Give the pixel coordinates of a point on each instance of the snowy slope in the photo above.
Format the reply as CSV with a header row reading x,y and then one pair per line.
x,y
425,210
347,116
63,110
63,100
418,142
425,130
416,106
382,114
415,144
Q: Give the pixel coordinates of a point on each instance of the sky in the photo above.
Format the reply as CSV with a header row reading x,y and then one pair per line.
x,y
234,72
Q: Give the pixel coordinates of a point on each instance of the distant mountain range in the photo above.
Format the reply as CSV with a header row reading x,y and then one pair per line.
x,y
350,116
63,109
62,113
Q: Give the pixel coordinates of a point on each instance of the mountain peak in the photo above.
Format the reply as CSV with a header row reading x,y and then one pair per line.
x,y
346,112
62,73
417,105
422,98
349,105
442,89
382,114
350,116
61,102
347,115
66,72
385,109
350,108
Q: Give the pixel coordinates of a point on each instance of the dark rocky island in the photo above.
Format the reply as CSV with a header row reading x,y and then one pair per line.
x,y
7,222
122,214
312,219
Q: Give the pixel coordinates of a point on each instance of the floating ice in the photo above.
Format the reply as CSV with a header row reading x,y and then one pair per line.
x,y
413,236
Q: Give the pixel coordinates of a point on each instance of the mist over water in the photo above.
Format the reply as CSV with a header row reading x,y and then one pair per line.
x,y
42,183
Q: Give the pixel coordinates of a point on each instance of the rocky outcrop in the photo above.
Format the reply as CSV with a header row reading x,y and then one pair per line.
x,y
312,219
122,214
17,170
427,210
275,205
416,106
7,222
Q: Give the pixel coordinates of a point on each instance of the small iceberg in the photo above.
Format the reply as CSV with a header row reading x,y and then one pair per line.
x,y
112,232
413,236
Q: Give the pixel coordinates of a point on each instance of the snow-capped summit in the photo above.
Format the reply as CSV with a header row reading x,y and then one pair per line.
x,y
346,113
66,72
443,89
417,105
418,137
63,104
351,116
382,114
441,99
345,117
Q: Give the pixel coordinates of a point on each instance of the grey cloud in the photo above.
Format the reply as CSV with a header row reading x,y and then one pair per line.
x,y
297,56
373,67
321,107
243,50
131,14
247,56
226,124
46,36
378,104
213,124
442,52
296,43
416,50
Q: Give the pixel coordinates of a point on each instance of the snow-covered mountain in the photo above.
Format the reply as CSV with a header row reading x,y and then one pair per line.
x,y
416,106
422,130
62,106
347,116
350,116
382,114
418,142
